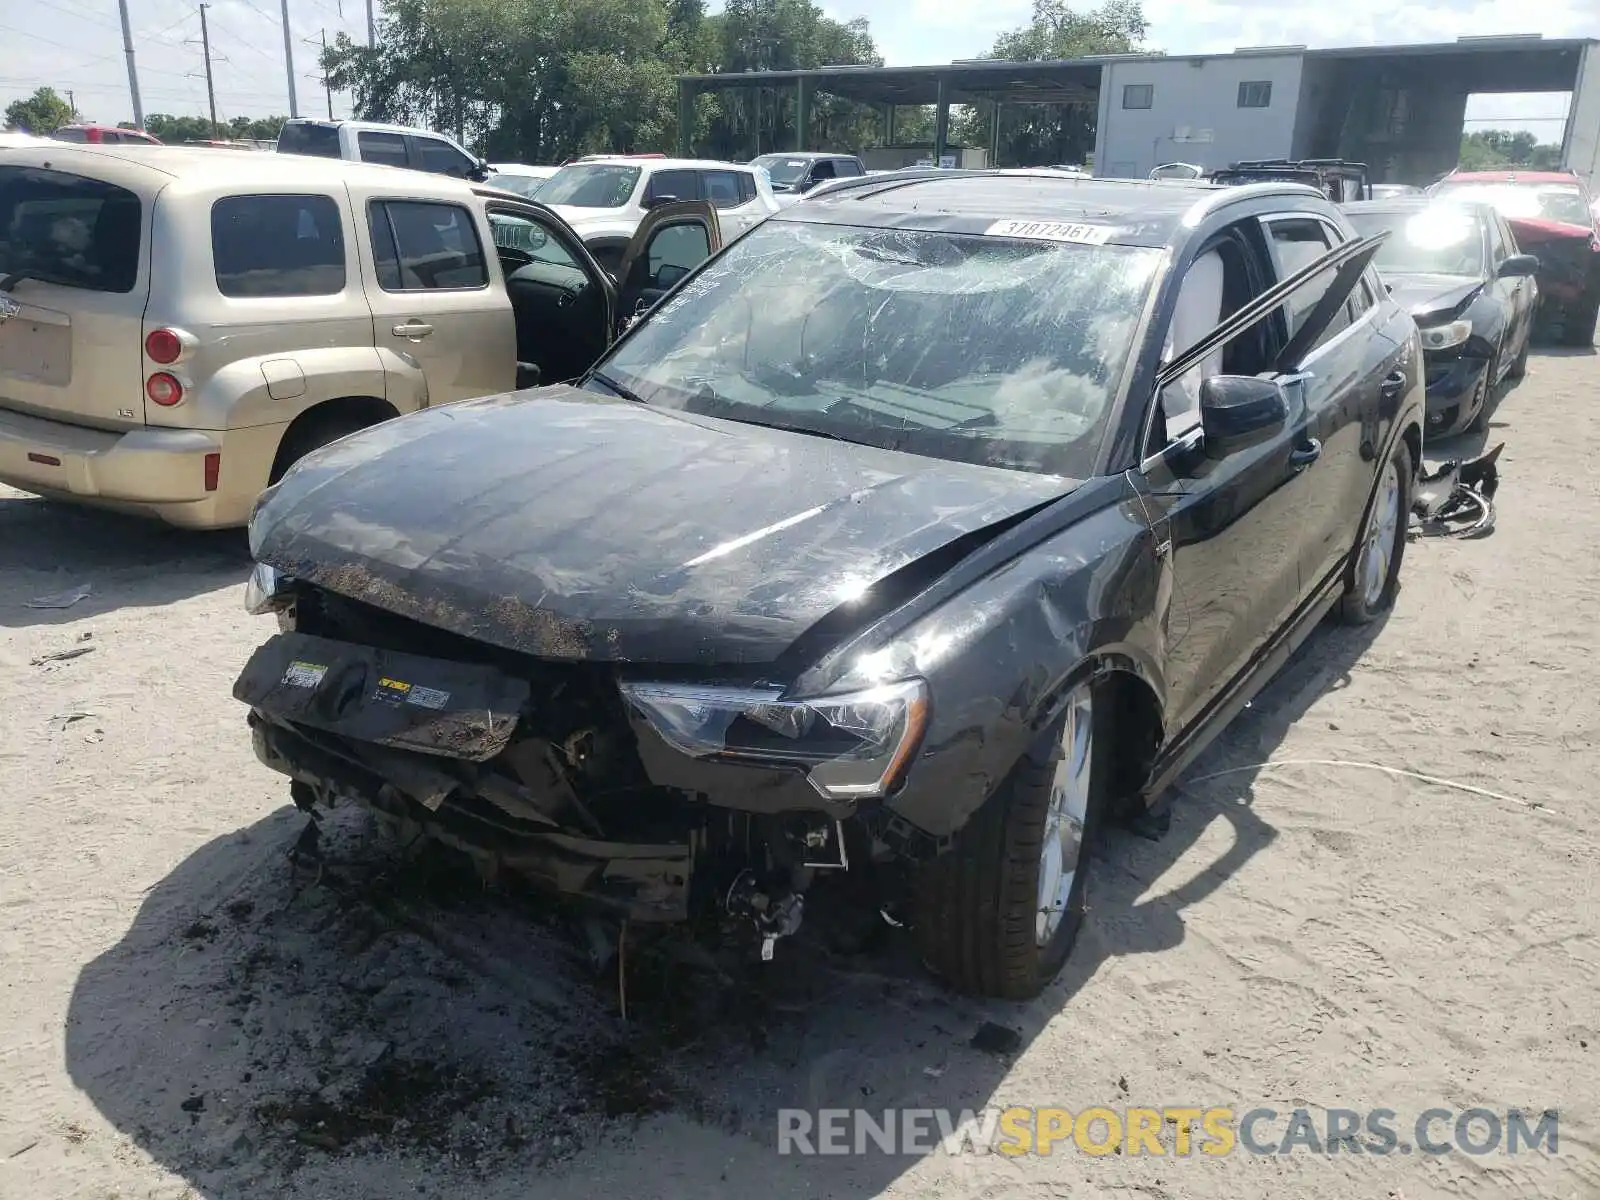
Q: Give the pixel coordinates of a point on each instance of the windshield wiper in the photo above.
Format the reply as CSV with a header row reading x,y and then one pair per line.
x,y
602,378
805,429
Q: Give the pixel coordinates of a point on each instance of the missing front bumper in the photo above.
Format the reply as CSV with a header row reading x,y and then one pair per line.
x,y
646,882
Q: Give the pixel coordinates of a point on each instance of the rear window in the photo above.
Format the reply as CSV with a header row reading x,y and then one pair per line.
x,y
71,135
422,247
598,186
1526,201
62,228
277,246
319,141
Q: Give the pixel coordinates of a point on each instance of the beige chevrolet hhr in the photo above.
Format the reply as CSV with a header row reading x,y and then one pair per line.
x,y
178,326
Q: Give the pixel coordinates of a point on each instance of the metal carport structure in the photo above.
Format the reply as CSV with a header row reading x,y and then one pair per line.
x,y
1057,81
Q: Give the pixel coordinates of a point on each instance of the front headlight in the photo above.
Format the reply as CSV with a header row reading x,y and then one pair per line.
x,y
854,746
1442,337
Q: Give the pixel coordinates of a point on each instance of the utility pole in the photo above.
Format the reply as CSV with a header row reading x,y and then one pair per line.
x,y
205,46
328,91
133,70
288,60
372,26
72,103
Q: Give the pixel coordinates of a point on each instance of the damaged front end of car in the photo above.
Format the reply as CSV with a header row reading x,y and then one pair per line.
x,y
651,800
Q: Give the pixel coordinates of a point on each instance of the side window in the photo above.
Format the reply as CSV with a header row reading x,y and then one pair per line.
x,y
1255,93
747,187
722,188
1296,243
1497,243
1508,235
386,149
675,250
70,135
421,246
1138,95
531,237
823,169
441,158
277,246
849,168
680,185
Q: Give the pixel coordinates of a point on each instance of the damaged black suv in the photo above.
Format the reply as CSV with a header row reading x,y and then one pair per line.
x,y
936,521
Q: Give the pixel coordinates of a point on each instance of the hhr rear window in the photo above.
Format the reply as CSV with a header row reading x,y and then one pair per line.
x,y
67,229
277,246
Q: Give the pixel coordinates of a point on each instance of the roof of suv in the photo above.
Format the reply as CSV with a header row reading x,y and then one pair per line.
x,y
657,164
1144,212
1511,176
120,163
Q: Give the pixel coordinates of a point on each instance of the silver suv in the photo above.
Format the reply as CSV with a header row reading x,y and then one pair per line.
x,y
178,326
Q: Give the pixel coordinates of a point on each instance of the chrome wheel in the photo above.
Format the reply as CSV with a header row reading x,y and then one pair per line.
x,y
1377,547
1065,816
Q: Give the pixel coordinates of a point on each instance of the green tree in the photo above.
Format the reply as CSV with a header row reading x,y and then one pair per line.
x,y
779,35
541,80
536,80
1043,134
42,113
1498,149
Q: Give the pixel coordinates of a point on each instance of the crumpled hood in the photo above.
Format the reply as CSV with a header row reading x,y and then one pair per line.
x,y
1421,295
565,524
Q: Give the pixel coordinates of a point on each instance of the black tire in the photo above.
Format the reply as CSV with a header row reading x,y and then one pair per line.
x,y
313,434
1357,606
1519,365
1578,321
1486,404
977,906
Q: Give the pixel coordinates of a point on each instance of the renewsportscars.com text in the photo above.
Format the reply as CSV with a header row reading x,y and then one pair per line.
x,y
1172,1131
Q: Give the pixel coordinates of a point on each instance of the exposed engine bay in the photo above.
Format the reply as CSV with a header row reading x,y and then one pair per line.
x,y
527,767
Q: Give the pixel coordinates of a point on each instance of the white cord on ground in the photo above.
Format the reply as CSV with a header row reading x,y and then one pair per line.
x,y
1366,766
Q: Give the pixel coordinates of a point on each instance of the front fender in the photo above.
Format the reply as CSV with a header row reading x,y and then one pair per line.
x,y
1000,654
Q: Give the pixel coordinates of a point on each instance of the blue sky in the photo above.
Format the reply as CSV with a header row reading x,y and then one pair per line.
x,y
77,44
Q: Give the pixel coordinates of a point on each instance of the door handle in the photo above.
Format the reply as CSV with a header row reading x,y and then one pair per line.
x,y
415,330
1393,384
1306,453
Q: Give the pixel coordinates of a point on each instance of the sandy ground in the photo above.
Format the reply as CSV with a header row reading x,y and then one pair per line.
x,y
183,1014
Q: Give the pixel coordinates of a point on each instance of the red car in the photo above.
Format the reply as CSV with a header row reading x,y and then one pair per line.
x,y
104,133
1553,217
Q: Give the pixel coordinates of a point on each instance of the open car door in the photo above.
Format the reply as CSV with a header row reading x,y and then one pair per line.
x,y
670,242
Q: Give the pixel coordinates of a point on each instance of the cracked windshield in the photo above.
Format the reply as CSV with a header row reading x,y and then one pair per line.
x,y
986,350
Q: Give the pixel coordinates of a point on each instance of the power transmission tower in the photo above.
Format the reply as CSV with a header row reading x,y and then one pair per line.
x,y
288,60
205,47
133,70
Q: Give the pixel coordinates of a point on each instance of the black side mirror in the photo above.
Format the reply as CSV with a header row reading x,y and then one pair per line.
x,y
658,200
1238,412
1519,266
